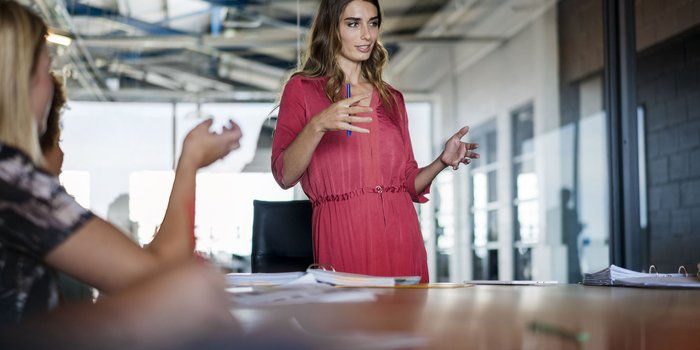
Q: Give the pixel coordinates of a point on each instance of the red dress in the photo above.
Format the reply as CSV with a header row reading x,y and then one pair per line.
x,y
361,187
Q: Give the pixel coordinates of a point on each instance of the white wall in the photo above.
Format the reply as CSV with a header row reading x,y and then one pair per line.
x,y
524,69
102,139
112,140
126,148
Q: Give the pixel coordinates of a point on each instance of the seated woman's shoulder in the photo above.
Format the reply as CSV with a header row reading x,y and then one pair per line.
x,y
14,160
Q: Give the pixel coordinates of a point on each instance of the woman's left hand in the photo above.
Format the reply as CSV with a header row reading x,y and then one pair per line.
x,y
457,152
203,147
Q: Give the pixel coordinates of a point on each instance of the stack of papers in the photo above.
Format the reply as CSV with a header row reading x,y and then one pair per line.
x,y
300,294
312,286
262,279
341,279
608,276
617,276
354,280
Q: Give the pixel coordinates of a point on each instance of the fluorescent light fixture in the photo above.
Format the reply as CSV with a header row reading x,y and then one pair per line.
x,y
59,39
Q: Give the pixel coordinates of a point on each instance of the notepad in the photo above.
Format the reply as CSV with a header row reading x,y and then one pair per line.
x,y
311,276
312,286
355,280
617,276
300,294
262,279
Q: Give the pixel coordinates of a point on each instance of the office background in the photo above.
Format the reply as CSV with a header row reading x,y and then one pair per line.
x,y
588,113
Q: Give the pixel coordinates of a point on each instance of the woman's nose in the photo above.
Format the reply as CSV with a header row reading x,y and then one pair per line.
x,y
365,33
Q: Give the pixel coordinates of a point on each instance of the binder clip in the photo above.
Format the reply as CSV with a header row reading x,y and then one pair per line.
x,y
322,267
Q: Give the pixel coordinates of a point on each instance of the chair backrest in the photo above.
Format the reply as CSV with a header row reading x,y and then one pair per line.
x,y
281,236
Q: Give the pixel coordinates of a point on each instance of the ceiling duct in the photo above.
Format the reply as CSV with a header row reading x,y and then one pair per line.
x,y
241,19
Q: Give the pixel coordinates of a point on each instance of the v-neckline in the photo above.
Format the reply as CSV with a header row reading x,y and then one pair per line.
x,y
371,99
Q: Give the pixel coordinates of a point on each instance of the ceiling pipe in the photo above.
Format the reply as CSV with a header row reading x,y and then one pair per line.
x,y
163,95
89,78
278,41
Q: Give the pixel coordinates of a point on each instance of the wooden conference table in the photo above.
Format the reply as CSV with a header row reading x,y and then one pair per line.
x,y
501,317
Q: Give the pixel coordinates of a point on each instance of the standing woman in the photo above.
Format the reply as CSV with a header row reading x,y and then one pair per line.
x,y
361,184
42,228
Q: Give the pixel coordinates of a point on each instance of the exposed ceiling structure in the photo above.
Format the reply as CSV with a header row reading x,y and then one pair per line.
x,y
242,50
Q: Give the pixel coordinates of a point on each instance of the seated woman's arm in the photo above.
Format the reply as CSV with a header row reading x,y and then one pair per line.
x,y
155,314
99,254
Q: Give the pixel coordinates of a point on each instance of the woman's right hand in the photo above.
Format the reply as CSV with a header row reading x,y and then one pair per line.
x,y
202,147
339,116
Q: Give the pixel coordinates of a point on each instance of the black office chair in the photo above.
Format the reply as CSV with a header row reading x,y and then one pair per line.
x,y
281,236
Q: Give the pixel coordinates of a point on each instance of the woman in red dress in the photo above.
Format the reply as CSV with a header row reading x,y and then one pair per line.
x,y
361,184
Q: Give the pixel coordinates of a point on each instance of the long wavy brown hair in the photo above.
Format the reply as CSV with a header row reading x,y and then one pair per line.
x,y
324,45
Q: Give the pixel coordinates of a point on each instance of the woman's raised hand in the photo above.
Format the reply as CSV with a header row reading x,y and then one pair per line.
x,y
202,147
339,116
457,152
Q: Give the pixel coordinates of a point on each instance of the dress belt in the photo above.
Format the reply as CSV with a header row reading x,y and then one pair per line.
x,y
358,192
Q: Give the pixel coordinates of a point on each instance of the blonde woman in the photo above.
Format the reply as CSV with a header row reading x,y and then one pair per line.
x,y
42,228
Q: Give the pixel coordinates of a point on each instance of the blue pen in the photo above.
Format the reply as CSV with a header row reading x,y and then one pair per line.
x,y
348,132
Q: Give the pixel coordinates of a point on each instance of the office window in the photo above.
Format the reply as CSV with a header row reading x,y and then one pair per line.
x,y
525,192
542,90
77,184
484,203
443,195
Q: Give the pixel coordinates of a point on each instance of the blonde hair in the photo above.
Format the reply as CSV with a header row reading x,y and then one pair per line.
x,y
22,34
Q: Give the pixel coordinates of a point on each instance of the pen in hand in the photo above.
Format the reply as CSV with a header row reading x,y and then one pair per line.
x,y
348,132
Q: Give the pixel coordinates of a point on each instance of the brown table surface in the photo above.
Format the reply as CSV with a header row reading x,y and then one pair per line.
x,y
499,317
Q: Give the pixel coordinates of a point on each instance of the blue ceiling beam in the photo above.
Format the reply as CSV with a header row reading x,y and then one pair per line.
x,y
129,56
215,20
78,9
